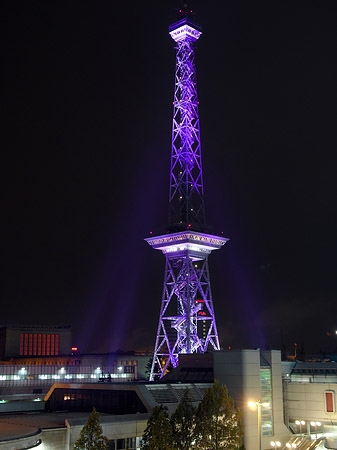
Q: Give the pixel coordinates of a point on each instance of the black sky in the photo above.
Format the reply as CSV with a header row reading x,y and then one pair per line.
x,y
87,91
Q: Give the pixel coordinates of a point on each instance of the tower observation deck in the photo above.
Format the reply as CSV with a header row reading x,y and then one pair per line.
x,y
187,320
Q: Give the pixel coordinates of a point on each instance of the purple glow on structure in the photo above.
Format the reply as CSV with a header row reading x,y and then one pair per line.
x,y
186,197
111,301
187,297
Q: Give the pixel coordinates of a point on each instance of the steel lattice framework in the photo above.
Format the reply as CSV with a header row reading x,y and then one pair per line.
x,y
186,185
187,320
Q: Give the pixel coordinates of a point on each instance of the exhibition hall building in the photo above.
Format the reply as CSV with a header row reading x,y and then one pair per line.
x,y
45,399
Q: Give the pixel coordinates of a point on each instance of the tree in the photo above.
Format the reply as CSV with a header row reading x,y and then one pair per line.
x,y
218,423
91,437
158,433
182,423
148,367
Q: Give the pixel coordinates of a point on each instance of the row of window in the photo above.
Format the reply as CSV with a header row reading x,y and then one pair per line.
x,y
314,371
38,344
133,443
76,362
48,363
79,376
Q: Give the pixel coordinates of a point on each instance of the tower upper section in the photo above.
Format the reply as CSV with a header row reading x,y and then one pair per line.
x,y
184,29
186,197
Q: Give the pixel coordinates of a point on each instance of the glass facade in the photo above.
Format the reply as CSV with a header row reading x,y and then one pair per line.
x,y
112,401
266,397
29,375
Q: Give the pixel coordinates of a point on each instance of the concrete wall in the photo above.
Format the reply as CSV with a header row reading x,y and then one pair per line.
x,y
281,432
306,401
21,443
12,345
239,370
54,439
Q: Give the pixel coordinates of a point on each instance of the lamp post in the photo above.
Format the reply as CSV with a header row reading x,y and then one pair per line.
x,y
315,424
258,404
300,423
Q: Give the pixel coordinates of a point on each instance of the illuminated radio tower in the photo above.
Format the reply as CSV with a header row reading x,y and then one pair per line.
x,y
187,321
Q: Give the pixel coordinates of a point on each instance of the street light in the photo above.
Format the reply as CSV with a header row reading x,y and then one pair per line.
x,y
275,444
258,404
300,423
315,424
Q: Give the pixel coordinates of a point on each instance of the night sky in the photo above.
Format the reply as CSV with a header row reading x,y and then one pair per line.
x,y
86,97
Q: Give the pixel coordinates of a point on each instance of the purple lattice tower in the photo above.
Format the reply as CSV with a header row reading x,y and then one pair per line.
x,y
187,321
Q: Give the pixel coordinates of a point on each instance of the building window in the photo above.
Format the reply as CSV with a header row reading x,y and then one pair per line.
x,y
30,344
44,345
26,344
48,344
266,397
52,346
39,345
57,344
330,401
22,340
35,345
131,444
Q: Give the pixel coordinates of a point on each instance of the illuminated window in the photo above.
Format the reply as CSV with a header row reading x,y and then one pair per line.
x,y
39,344
330,401
35,345
52,345
26,345
44,344
30,347
48,345
57,344
22,340
266,397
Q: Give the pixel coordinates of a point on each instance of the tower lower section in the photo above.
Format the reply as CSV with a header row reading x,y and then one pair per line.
x,y
187,320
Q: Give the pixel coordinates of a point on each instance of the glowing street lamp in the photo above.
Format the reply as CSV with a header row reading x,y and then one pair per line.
x,y
300,423
315,424
258,404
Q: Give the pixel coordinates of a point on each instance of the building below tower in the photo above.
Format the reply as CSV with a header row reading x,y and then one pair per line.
x,y
299,397
34,341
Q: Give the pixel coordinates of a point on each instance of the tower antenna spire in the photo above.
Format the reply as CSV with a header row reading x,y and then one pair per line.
x,y
187,320
185,11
